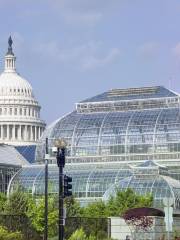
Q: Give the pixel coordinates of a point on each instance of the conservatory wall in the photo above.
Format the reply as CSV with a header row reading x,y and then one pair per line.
x,y
101,182
6,173
108,135
133,133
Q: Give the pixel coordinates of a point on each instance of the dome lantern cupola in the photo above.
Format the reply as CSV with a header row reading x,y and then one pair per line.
x,y
10,58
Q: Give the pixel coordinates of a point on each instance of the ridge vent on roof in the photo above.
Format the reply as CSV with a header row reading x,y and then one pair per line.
x,y
132,91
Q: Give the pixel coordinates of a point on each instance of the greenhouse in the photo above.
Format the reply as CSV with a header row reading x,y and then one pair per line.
x,y
10,163
88,184
108,137
149,178
101,183
120,126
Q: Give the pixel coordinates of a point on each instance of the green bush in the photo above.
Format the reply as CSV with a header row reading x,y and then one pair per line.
x,y
7,235
79,234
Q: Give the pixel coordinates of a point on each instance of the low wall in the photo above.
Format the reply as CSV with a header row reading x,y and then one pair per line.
x,y
120,230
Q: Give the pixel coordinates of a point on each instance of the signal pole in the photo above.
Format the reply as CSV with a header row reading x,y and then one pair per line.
x,y
46,193
60,158
65,187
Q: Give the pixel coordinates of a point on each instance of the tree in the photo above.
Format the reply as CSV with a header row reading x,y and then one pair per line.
x,y
73,208
16,204
125,200
3,200
139,223
8,235
97,209
79,234
35,213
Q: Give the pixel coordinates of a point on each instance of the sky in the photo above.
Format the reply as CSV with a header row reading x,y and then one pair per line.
x,y
70,50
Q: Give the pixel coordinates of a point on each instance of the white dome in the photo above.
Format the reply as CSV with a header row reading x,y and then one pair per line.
x,y
20,122
12,84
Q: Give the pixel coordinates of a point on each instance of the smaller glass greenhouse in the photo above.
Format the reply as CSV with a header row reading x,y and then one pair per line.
x,y
102,181
149,178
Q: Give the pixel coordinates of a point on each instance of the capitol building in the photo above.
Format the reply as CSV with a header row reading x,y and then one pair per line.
x,y
20,122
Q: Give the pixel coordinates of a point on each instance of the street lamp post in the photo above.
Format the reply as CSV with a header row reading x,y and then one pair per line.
x,y
61,147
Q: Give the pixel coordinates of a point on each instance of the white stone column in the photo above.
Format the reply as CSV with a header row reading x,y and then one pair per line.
x,y
31,135
19,132
10,131
1,131
4,135
7,129
39,134
26,133
35,131
13,131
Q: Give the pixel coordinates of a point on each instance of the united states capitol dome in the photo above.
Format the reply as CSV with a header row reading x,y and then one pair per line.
x,y
13,85
20,122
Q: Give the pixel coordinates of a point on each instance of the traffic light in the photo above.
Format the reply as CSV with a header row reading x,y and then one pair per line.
x,y
67,186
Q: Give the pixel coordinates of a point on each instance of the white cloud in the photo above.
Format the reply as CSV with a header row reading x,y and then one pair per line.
x,y
86,56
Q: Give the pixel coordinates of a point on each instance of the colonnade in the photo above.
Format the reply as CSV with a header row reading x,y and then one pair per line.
x,y
20,132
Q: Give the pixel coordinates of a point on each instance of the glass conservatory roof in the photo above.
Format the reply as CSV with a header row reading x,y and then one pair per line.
x,y
158,185
28,152
132,93
91,182
117,136
10,156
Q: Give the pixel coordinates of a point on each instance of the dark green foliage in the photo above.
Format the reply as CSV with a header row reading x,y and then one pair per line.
x,y
73,208
35,213
96,210
126,200
92,218
9,235
17,204
3,200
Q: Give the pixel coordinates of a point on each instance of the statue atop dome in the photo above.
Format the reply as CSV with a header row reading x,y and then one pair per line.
x,y
10,42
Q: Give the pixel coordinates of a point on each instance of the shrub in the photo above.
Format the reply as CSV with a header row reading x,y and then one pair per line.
x,y
79,234
7,235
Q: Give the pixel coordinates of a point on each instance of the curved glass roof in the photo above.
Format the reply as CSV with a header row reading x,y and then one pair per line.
x,y
149,178
87,183
101,181
159,186
130,136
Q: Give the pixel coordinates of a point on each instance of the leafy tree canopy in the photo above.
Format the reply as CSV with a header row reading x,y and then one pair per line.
x,y
125,200
3,200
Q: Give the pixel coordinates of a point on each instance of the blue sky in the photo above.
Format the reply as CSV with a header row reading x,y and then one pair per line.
x,y
70,50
